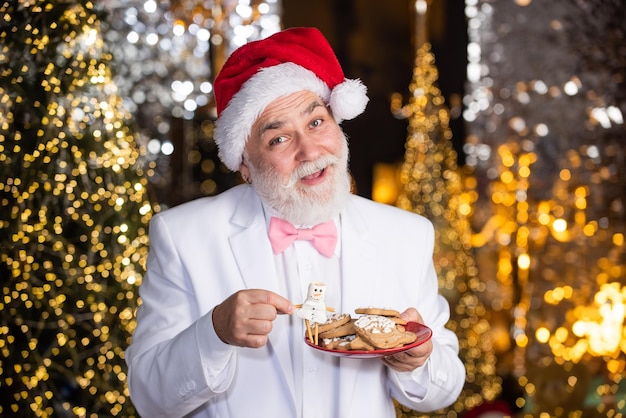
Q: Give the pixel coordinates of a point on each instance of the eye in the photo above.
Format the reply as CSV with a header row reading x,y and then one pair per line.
x,y
316,122
277,140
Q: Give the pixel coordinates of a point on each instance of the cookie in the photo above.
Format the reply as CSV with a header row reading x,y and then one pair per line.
x,y
333,321
381,332
377,311
339,343
399,321
359,344
390,313
340,331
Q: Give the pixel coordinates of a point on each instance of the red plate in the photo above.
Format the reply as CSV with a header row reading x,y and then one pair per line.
x,y
423,334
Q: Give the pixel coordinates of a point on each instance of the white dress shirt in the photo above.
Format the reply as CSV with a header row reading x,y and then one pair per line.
x,y
315,374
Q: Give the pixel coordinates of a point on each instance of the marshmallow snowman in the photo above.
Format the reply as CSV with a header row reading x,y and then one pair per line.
x,y
314,308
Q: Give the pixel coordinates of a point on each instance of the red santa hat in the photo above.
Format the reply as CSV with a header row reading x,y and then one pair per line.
x,y
261,71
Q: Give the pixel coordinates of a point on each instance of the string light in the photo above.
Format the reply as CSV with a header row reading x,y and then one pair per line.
x,y
74,142
431,184
551,203
74,217
166,56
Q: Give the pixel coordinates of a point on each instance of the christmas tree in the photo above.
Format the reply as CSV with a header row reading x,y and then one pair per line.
x,y
73,218
433,185
545,108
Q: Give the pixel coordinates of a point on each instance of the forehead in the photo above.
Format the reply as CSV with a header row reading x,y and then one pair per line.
x,y
294,103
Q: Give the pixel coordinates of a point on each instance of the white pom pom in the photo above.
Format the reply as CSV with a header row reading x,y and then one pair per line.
x,y
348,99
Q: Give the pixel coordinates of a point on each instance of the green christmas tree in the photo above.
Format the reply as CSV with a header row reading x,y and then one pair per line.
x,y
73,216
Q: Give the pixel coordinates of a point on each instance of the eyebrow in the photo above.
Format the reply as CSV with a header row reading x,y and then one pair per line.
x,y
278,123
312,106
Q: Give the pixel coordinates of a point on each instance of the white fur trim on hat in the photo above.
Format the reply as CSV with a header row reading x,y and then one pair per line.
x,y
348,100
232,128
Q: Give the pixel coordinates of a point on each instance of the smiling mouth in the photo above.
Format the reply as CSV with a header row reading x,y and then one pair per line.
x,y
315,175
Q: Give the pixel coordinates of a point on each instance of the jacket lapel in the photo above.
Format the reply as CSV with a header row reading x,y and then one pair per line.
x,y
251,248
359,257
359,260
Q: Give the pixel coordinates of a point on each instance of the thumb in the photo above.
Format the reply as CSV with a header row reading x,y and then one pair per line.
x,y
282,305
412,315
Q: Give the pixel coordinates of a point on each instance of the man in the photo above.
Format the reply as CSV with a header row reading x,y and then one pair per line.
x,y
215,334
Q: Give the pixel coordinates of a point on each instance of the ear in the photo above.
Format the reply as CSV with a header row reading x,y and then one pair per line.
x,y
245,171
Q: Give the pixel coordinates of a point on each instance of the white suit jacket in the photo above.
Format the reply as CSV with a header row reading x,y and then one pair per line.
x,y
205,250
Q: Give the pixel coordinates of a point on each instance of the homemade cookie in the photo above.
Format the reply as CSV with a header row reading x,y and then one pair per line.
x,y
340,331
389,313
381,332
334,321
359,344
377,311
339,343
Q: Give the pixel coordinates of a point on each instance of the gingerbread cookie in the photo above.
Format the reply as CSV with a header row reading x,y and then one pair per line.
x,y
390,313
339,343
334,321
359,344
340,331
381,332
377,311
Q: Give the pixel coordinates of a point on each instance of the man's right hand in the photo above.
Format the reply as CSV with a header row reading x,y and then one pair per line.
x,y
245,318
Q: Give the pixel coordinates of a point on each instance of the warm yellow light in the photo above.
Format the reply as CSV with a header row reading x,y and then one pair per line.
x,y
590,229
559,230
602,325
544,219
524,172
385,185
559,225
465,209
521,340
506,177
523,261
522,2
542,334
561,334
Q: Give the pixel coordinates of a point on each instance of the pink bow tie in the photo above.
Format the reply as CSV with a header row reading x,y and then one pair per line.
x,y
323,236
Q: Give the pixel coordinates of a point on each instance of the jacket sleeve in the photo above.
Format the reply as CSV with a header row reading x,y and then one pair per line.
x,y
172,338
438,383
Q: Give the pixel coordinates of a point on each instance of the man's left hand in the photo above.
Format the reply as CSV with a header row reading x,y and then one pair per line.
x,y
409,360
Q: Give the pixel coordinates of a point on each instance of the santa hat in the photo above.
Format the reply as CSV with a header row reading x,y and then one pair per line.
x,y
261,71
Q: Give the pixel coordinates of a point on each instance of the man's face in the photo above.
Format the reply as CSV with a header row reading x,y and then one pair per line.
x,y
297,159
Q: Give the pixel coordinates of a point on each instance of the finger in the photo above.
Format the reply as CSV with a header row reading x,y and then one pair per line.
x,y
259,327
281,304
412,315
396,364
409,314
403,362
255,341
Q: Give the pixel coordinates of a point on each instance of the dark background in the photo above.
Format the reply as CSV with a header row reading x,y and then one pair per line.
x,y
373,41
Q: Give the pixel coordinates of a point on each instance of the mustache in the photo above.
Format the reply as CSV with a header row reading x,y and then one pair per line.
x,y
308,168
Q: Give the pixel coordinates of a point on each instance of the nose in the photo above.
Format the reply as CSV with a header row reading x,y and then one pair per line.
x,y
309,149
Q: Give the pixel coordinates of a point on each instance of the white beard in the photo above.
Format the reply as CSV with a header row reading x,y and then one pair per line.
x,y
305,205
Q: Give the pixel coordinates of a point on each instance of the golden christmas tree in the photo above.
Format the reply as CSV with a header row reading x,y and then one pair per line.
x,y
73,218
547,144
432,185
